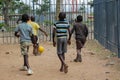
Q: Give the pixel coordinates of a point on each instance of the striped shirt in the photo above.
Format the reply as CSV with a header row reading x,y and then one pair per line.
x,y
61,28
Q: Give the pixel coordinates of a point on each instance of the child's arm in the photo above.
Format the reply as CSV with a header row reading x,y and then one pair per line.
x,y
86,31
53,36
69,42
43,32
71,32
17,33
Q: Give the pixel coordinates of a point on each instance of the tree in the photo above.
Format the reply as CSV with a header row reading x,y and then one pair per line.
x,y
11,6
5,5
90,3
91,7
57,8
19,7
24,8
82,8
43,7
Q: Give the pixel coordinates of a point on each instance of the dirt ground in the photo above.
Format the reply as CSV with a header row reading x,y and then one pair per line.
x,y
98,64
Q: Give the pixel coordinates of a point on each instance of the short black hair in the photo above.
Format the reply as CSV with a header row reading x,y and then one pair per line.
x,y
25,18
32,18
62,15
79,18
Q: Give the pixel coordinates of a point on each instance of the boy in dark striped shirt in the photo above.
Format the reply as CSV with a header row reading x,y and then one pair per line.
x,y
61,28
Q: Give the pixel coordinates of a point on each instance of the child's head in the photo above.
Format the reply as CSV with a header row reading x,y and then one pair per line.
x,y
25,18
32,18
79,18
62,15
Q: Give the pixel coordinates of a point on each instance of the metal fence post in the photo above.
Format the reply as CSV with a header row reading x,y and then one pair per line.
x,y
118,25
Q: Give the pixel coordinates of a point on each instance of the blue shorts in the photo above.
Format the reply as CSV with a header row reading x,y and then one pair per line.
x,y
61,45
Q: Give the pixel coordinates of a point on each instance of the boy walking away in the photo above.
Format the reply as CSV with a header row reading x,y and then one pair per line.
x,y
36,28
81,32
60,29
24,31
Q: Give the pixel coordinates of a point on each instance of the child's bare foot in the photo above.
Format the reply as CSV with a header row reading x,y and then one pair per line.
x,y
61,69
65,68
37,54
78,59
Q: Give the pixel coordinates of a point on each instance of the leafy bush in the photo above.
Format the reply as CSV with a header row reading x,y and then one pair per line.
x,y
47,22
1,25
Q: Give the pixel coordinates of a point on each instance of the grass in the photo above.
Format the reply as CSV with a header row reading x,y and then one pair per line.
x,y
99,50
102,53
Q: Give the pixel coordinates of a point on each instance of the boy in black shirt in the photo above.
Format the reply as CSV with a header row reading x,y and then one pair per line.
x,y
81,32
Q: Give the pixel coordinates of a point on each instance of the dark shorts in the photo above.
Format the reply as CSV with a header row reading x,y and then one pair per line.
x,y
80,43
61,45
35,39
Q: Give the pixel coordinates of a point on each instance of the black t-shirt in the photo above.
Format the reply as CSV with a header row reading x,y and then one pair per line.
x,y
81,30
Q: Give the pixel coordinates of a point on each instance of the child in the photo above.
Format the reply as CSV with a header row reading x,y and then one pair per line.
x,y
36,28
24,31
61,28
81,32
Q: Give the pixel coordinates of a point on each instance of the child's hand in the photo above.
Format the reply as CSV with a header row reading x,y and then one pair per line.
x,y
54,44
17,34
69,42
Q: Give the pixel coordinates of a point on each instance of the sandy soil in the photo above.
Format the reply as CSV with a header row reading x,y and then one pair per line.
x,y
46,66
